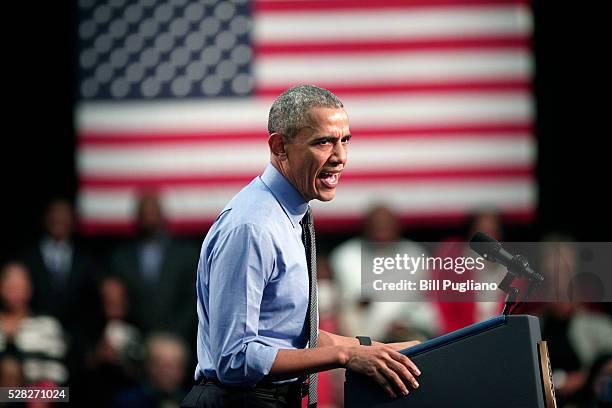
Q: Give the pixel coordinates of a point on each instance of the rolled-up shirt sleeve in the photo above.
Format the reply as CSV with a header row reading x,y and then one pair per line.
x,y
241,264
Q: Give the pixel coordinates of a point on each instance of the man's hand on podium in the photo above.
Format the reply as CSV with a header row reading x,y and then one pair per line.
x,y
385,365
403,345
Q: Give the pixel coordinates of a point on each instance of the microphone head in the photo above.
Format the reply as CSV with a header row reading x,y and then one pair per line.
x,y
491,250
480,236
484,245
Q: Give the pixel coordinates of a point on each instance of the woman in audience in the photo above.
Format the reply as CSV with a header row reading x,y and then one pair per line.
x,y
38,342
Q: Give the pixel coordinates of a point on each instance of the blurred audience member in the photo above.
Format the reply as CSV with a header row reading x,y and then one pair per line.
x,y
597,390
11,376
11,372
120,340
36,341
159,273
358,314
457,314
559,264
166,360
576,335
330,388
113,356
489,222
62,275
327,295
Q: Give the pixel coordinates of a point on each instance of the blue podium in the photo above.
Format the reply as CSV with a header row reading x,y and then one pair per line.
x,y
497,363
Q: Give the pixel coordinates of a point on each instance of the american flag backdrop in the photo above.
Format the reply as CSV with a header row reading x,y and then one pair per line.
x,y
174,96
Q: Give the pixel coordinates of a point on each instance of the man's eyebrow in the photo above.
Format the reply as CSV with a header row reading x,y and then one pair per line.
x,y
321,138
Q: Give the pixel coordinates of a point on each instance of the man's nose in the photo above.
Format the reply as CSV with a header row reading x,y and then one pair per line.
x,y
339,153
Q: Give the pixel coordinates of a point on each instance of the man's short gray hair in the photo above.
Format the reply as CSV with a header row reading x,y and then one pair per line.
x,y
161,337
290,111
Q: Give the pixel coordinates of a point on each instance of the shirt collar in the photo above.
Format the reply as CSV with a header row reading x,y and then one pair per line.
x,y
286,194
52,245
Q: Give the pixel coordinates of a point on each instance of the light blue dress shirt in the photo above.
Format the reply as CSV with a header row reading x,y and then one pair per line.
x,y
252,282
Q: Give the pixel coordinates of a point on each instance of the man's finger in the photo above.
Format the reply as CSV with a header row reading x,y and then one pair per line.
x,y
395,379
405,361
401,369
382,381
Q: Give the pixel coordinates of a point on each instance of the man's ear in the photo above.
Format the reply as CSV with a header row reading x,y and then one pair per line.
x,y
277,146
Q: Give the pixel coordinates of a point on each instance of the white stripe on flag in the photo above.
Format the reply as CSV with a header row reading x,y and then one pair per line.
x,y
283,70
391,24
208,115
413,198
425,198
373,155
228,116
483,108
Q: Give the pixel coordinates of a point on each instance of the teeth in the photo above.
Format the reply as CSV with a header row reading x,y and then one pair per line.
x,y
329,178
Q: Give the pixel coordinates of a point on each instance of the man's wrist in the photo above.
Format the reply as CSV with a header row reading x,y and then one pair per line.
x,y
342,355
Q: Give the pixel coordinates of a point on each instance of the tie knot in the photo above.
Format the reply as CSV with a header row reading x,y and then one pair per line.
x,y
307,220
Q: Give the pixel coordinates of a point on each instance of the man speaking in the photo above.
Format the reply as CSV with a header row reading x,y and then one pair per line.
x,y
258,339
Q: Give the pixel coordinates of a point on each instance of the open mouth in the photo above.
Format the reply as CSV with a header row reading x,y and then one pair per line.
x,y
329,180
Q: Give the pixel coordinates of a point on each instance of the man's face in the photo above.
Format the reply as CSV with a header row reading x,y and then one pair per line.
x,y
317,154
59,221
166,365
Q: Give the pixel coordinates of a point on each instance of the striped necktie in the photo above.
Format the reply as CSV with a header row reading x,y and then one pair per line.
x,y
308,238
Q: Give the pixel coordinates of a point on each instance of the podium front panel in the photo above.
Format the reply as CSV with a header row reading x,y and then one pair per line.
x,y
492,364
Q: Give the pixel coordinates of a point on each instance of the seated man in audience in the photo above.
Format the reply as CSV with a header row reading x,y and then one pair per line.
x,y
165,366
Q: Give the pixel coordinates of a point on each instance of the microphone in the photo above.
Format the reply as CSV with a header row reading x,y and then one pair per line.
x,y
491,250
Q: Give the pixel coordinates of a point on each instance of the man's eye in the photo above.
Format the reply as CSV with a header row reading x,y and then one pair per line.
x,y
322,142
346,140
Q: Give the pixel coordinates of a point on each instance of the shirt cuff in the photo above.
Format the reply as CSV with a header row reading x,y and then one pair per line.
x,y
259,359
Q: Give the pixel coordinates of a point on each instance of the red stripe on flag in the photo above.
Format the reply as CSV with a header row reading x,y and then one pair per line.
x,y
129,139
95,227
324,222
259,6
331,224
392,46
474,86
411,176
